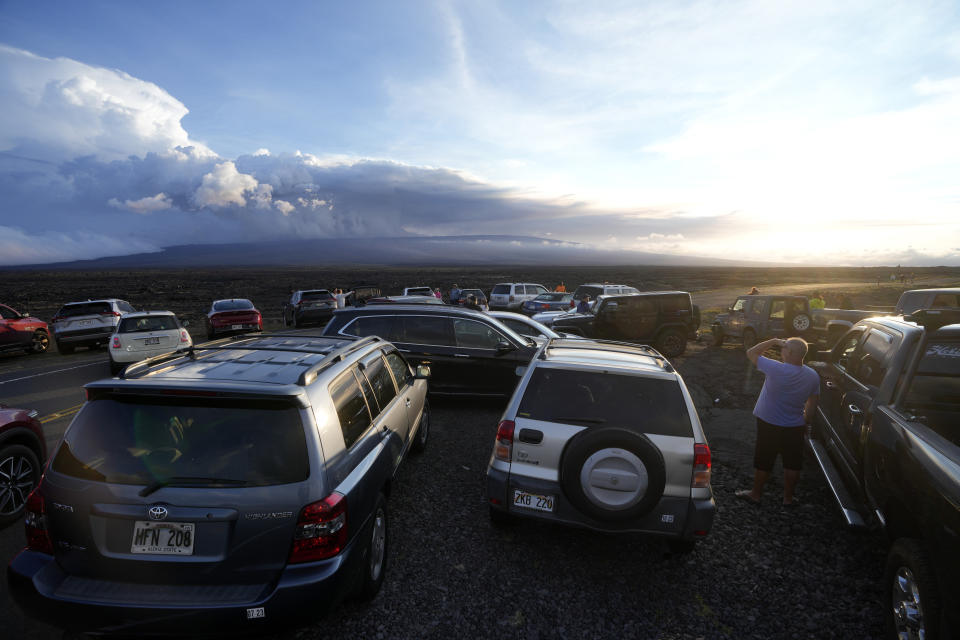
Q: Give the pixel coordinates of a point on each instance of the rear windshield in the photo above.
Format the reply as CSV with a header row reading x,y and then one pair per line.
x,y
597,399
584,290
149,323
140,441
553,297
500,289
316,295
232,305
84,309
935,391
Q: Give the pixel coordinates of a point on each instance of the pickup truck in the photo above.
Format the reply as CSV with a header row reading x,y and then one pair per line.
x,y
887,437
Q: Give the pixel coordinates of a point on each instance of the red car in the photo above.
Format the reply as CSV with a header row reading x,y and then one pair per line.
x,y
232,316
20,331
23,451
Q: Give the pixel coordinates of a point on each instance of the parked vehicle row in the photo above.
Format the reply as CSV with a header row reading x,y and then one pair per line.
x,y
21,331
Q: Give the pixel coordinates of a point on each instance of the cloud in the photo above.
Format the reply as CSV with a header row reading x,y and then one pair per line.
x,y
19,247
149,204
226,186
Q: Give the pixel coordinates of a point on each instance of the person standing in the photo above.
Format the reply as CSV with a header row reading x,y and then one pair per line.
x,y
754,291
790,393
584,305
340,298
817,301
561,288
455,294
437,294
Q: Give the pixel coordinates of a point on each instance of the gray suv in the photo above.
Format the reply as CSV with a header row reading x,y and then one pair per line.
x,y
603,435
236,487
87,324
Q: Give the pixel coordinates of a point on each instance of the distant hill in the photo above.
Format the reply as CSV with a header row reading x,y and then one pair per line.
x,y
402,251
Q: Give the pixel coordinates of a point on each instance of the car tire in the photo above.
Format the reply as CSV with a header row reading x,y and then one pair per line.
x,y
116,367
638,460
375,565
671,343
913,603
65,349
718,336
19,464
423,431
749,338
677,546
40,342
501,518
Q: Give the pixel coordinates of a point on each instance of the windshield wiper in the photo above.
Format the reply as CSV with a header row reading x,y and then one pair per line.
x,y
578,419
191,481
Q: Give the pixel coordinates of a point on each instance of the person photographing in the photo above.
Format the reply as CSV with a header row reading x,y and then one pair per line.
x,y
784,408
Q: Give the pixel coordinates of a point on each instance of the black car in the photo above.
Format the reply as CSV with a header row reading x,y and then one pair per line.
x,y
469,352
313,306
663,319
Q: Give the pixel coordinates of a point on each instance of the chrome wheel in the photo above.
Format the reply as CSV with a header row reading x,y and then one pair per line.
x,y
907,609
378,544
17,473
40,342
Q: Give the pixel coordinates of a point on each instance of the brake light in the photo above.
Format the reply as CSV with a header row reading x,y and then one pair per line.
x,y
110,313
116,343
701,466
35,523
56,319
503,448
183,336
321,530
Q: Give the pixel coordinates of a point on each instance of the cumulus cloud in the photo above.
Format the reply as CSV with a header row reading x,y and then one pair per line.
x,y
225,186
149,204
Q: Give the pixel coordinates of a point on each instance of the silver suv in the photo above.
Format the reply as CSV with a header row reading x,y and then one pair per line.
x,y
87,324
512,295
603,435
235,487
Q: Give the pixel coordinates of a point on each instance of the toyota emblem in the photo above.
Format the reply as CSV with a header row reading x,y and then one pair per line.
x,y
157,512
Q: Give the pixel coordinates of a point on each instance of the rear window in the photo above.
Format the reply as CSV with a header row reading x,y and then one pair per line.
x,y
584,290
142,441
597,399
316,295
935,391
232,305
672,304
151,323
501,289
84,309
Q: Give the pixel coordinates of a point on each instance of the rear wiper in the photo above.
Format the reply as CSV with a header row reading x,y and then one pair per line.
x,y
191,481
577,419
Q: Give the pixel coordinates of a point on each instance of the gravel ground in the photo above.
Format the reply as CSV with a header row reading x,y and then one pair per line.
x,y
763,572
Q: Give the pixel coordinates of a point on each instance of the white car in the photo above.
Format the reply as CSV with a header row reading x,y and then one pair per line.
x,y
546,318
418,291
511,295
145,334
527,326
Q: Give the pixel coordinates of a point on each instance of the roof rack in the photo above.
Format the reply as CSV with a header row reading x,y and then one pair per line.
x,y
308,376
650,351
933,319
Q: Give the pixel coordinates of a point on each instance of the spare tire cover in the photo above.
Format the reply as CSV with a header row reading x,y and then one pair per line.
x,y
612,474
801,322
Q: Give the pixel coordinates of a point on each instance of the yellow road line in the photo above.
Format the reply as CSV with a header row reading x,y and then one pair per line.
x,y
60,414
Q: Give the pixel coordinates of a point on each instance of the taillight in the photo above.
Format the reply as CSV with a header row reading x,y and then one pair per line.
x,y
572,304
116,342
110,313
503,447
701,466
35,523
56,319
183,336
321,530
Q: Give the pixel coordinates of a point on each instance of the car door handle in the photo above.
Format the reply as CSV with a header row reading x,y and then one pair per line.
x,y
830,385
460,355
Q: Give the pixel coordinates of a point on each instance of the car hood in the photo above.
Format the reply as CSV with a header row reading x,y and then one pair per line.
x,y
573,318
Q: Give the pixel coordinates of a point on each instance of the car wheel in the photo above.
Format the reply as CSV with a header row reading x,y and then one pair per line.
x,y
717,334
677,546
612,474
671,343
913,604
65,349
501,518
116,367
40,342
19,474
749,338
376,555
423,431
801,322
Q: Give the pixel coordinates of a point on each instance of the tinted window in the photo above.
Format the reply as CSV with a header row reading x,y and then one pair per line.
x,y
351,407
738,305
520,327
778,309
630,290
383,326
604,400
141,441
869,364
946,300
316,295
232,305
84,309
584,290
380,380
7,314
149,323
426,330
400,368
672,304
503,289
845,348
475,335
125,307
935,391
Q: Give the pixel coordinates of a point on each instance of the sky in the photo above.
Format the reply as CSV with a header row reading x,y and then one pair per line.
x,y
801,132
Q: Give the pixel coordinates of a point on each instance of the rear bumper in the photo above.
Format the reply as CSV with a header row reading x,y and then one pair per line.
x,y
684,518
314,315
38,585
84,338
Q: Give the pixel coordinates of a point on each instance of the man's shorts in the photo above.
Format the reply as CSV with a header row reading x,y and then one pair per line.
x,y
773,440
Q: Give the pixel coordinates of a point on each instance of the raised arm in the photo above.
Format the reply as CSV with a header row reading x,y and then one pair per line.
x,y
757,350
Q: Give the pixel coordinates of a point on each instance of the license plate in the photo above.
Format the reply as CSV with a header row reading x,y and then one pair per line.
x,y
236,326
168,538
84,323
533,501
151,341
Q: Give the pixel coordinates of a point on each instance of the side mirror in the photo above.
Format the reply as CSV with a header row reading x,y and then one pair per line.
x,y
25,314
423,372
504,347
